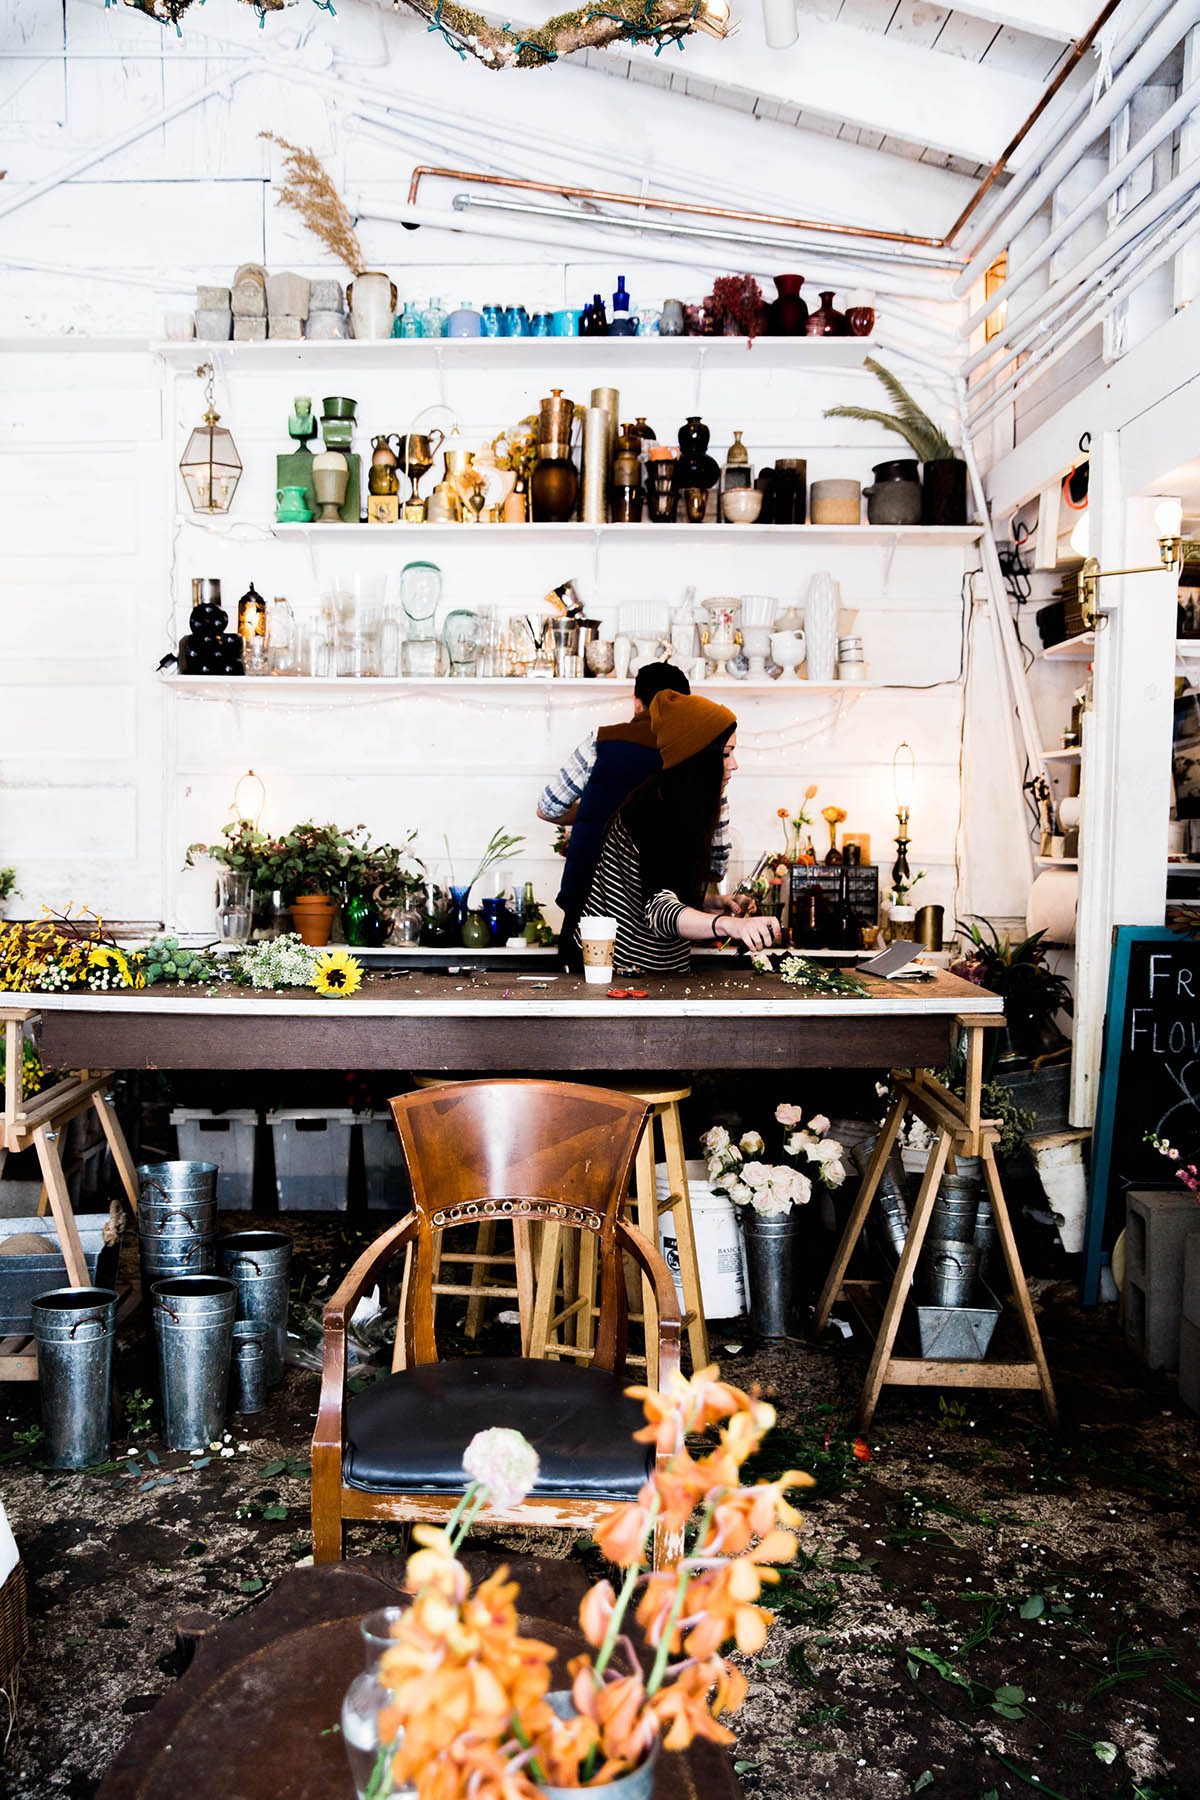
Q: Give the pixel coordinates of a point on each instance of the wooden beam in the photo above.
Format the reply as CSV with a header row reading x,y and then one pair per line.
x,y
1064,21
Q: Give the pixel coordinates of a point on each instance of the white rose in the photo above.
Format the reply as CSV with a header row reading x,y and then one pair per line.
x,y
797,1187
751,1143
756,1174
818,1123
770,1205
716,1138
823,1150
788,1115
741,1194
833,1174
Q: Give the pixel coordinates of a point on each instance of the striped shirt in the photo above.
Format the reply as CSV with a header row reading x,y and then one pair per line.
x,y
647,934
566,789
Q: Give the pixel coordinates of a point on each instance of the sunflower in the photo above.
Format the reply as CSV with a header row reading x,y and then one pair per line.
x,y
337,973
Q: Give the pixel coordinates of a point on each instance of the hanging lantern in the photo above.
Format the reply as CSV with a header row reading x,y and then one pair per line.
x,y
210,466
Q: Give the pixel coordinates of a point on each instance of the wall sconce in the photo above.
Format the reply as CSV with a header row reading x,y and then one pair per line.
x,y
1168,522
904,771
210,466
994,278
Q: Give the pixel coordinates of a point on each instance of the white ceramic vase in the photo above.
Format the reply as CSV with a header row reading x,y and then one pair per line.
x,y
372,300
787,648
820,626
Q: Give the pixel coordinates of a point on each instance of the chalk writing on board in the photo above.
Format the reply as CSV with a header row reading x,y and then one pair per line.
x,y
1165,1028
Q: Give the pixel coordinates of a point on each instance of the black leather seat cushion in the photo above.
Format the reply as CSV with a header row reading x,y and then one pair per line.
x,y
407,1433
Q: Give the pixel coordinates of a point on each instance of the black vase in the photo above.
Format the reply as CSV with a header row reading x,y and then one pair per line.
x,y
944,492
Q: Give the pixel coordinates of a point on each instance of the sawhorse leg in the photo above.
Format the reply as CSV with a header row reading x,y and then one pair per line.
x,y
914,1238
858,1215
118,1148
55,1183
1016,1276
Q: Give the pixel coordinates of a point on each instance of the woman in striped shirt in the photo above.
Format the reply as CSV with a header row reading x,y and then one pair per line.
x,y
654,867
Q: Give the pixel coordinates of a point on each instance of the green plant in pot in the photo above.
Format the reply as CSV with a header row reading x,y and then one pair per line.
x,y
1031,990
311,865
380,879
944,475
246,850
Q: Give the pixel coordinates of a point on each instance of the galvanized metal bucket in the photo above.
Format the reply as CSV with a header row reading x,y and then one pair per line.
x,y
193,1324
175,1182
950,1273
985,1236
249,1372
259,1262
637,1785
891,1195
954,1211
75,1330
769,1244
174,1219
165,1258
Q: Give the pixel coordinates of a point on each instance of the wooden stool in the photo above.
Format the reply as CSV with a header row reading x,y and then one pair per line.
x,y
36,1124
579,1282
481,1261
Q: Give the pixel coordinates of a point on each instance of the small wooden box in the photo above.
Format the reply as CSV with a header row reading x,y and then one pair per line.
x,y
383,509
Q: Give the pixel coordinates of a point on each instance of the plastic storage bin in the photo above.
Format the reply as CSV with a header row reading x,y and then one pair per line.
x,y
312,1158
383,1164
224,1138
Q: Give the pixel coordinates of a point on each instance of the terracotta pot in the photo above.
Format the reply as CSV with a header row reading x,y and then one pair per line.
x,y
313,916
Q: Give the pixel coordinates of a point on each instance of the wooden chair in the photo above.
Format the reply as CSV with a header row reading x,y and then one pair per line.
x,y
530,1150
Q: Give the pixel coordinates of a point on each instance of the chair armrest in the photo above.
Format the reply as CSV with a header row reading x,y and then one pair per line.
x,y
328,1434
670,1320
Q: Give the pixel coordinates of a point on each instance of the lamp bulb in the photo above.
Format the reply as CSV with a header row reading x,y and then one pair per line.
x,y
1168,518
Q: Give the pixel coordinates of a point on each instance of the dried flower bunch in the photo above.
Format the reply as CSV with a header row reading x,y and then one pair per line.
x,y
308,190
469,1715
736,1169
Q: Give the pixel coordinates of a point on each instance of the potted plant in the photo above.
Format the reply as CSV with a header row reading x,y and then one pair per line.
x,y
901,914
768,1197
1031,990
310,863
246,850
944,475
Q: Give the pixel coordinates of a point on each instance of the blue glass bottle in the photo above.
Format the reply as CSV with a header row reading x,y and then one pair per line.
x,y
464,322
541,325
624,323
433,320
493,322
408,325
516,322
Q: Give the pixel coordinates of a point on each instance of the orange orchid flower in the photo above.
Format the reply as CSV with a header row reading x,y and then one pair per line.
x,y
748,1513
595,1613
685,1708
621,1535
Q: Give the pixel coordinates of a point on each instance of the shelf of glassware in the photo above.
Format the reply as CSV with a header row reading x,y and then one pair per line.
x,y
845,536
235,686
554,355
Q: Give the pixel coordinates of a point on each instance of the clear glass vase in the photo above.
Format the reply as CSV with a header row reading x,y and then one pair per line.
x,y
366,1697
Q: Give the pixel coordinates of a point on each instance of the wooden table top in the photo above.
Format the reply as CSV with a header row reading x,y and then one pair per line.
x,y
251,1718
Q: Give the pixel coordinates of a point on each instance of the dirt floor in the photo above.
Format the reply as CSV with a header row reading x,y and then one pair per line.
x,y
980,1608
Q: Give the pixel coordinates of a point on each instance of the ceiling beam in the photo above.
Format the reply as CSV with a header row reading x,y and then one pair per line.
x,y
870,81
1062,20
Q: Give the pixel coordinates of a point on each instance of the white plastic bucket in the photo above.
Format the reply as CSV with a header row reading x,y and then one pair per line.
x,y
718,1243
1064,1183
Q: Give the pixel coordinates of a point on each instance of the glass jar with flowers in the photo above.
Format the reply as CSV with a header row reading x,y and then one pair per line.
x,y
467,1702
245,850
382,881
768,1197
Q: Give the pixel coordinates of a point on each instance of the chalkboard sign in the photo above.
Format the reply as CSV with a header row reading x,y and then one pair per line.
x,y
1149,1077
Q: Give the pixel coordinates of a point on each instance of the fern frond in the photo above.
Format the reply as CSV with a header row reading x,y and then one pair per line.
x,y
918,442
928,442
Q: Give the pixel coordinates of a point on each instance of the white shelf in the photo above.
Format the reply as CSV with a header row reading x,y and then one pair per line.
x,y
846,536
234,685
1057,862
1072,755
550,354
1075,649
1182,868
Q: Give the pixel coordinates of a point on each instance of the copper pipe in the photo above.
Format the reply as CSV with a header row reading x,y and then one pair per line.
x,y
1079,49
680,206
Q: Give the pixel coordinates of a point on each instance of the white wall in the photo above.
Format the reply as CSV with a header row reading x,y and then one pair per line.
x,y
105,773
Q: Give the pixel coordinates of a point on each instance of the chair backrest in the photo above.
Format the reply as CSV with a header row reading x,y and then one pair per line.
x,y
479,1150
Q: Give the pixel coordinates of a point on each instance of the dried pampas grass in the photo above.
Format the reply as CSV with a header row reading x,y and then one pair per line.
x,y
310,192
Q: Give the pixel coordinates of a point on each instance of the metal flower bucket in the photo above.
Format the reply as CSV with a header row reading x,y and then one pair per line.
x,y
249,1370
75,1330
637,1785
891,1194
259,1262
175,1182
193,1325
769,1244
954,1211
951,1270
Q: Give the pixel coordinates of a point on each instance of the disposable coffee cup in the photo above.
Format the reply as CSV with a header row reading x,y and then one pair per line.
x,y
598,937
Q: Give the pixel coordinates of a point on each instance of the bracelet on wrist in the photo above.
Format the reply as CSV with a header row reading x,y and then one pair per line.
x,y
717,917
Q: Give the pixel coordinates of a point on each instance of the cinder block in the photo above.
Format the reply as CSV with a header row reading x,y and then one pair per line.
x,y
327,325
249,331
212,324
287,295
285,328
1191,1276
1157,1226
326,295
212,299
249,300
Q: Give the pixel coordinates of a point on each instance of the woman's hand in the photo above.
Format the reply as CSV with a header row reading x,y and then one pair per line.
x,y
756,932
